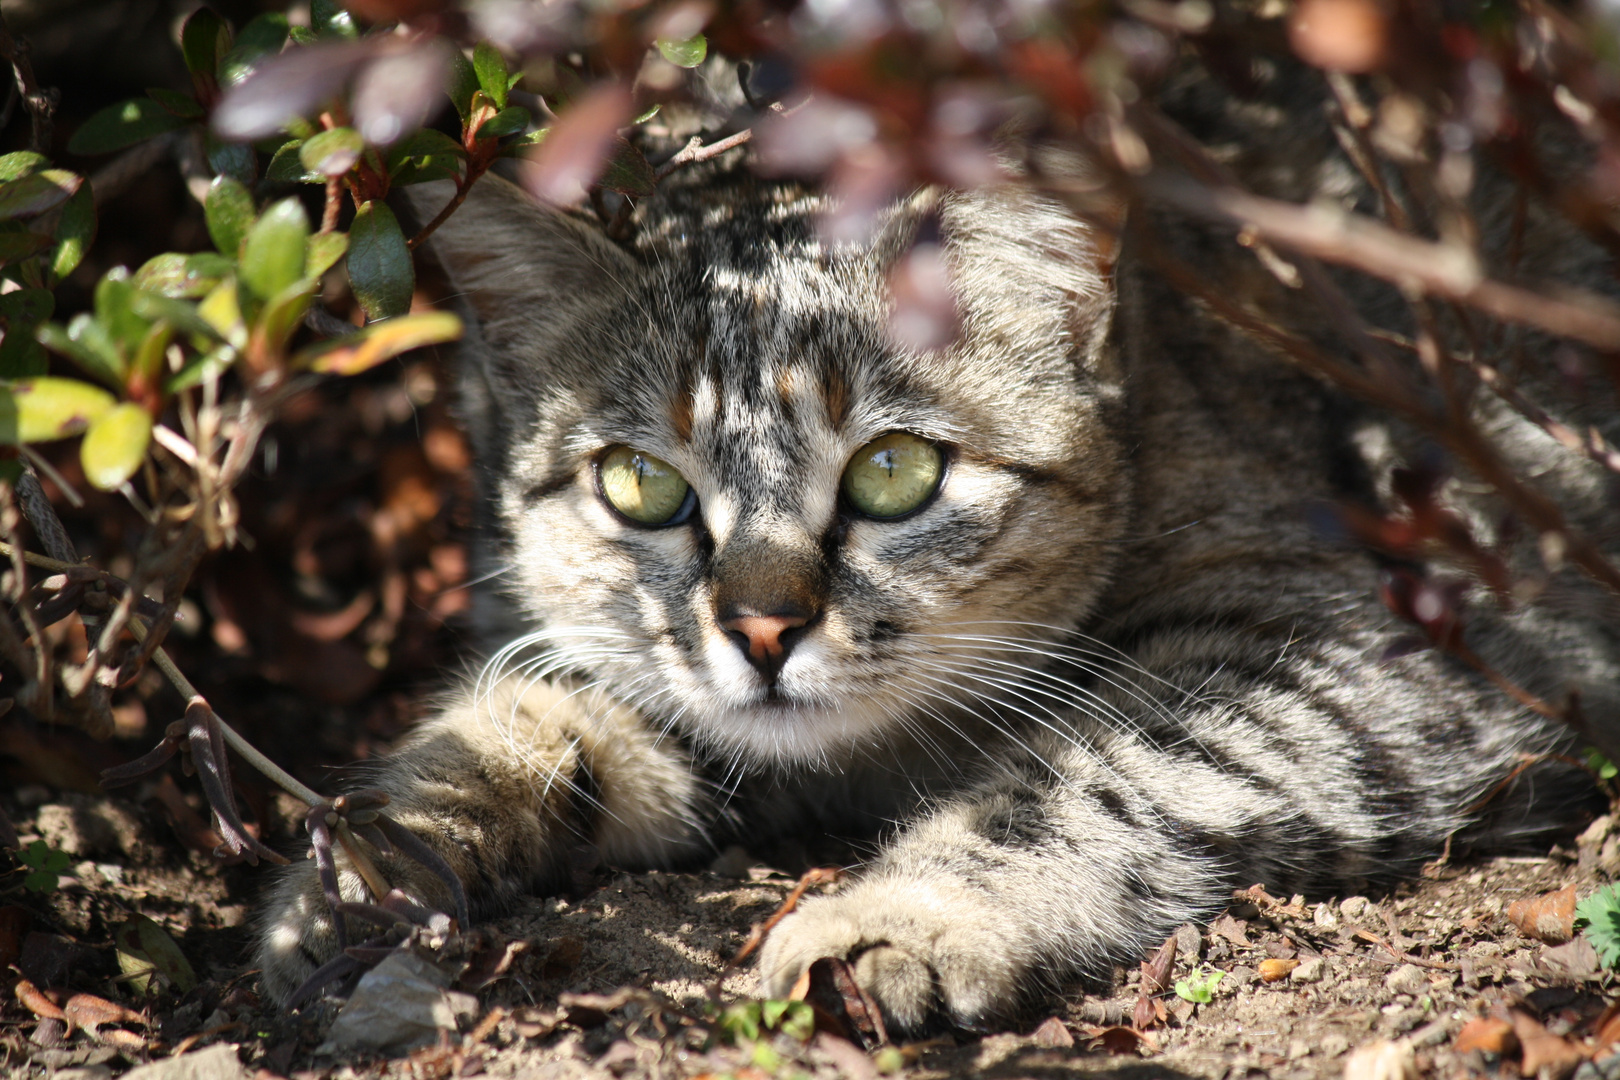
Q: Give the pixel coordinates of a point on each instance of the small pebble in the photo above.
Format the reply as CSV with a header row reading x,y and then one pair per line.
x,y
1407,979
1353,907
1311,971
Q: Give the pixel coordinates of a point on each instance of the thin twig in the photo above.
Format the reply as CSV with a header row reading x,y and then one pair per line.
x,y
463,186
41,104
695,151
1442,269
245,749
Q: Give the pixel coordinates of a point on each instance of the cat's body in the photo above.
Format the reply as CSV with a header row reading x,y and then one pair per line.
x,y
1108,672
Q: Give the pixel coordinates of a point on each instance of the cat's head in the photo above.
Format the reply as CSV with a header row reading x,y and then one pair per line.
x,y
719,489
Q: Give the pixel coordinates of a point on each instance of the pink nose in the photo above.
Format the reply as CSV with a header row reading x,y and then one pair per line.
x,y
764,634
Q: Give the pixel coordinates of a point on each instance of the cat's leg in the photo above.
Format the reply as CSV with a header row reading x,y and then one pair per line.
x,y
503,785
1029,877
1299,772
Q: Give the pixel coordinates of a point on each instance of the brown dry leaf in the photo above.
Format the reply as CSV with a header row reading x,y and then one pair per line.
x,y
90,1013
1574,959
1053,1033
36,1002
1234,930
1156,972
1549,918
490,963
1488,1035
1607,1027
1143,1015
1121,1040
834,992
1274,970
1543,1049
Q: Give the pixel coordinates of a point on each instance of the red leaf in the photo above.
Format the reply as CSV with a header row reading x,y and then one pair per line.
x,y
576,147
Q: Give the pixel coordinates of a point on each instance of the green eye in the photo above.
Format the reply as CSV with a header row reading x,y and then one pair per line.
x,y
893,475
641,487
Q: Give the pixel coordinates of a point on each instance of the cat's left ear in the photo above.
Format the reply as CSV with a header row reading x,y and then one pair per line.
x,y
521,268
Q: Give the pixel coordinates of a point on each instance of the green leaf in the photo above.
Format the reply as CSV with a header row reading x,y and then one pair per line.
x,y
145,950
325,249
47,408
26,307
21,356
17,241
283,314
21,163
380,270
114,311
332,153
229,211
1602,766
115,445
426,155
273,253
491,68
182,105
121,125
232,159
463,84
287,168
509,121
628,171
1199,986
1599,915
420,146
263,36
688,53
196,371
75,232
221,311
203,40
378,342
302,35
155,307
183,276
520,146
32,195
330,20
46,862
148,362
86,343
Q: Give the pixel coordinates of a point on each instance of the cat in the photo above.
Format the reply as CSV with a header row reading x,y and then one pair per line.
x,y
1046,612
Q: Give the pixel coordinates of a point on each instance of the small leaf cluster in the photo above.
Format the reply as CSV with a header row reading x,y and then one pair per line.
x,y
751,1023
181,320
45,865
1599,917
1199,985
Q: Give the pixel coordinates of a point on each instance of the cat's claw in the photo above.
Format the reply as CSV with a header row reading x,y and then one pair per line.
x,y
919,952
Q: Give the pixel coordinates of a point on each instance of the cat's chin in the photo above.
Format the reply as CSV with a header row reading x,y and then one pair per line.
x,y
783,731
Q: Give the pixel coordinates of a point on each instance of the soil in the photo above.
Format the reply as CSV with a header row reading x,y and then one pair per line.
x,y
1398,974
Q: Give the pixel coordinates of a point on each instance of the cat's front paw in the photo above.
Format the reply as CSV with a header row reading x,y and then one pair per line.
x,y
296,934
919,951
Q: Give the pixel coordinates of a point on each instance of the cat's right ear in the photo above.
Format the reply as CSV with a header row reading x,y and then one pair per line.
x,y
525,273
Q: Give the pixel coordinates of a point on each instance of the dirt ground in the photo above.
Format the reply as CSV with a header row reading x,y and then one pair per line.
x,y
1401,974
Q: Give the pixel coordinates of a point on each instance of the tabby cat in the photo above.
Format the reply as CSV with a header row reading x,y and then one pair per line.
x,y
1048,612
